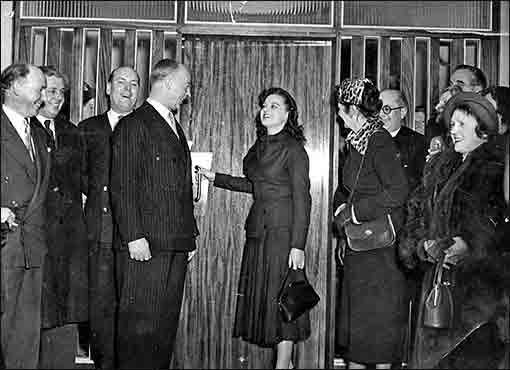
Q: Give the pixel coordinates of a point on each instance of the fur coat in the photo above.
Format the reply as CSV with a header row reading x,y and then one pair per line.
x,y
458,198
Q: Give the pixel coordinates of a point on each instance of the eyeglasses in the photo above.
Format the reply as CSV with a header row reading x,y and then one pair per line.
x,y
54,92
386,109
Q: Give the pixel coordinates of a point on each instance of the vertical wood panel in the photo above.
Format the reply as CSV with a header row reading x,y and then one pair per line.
x,y
357,57
129,48
232,73
22,54
76,77
384,68
158,46
407,76
53,47
490,60
456,53
105,63
434,72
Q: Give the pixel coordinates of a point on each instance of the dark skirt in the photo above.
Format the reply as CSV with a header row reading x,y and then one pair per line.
x,y
373,311
263,269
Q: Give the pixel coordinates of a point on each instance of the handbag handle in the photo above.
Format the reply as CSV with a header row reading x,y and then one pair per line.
x,y
289,270
438,276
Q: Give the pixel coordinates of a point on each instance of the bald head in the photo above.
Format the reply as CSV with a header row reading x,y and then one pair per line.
x,y
394,115
170,83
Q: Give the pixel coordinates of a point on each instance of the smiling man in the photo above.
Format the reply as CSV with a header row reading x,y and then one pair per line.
x,y
25,174
122,90
152,200
65,275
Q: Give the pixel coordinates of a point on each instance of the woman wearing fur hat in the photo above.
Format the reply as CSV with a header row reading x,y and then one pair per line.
x,y
373,303
452,218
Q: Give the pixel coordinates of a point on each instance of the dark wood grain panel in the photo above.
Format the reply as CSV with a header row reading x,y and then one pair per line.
x,y
357,57
158,46
434,72
104,68
456,53
490,60
76,77
384,74
231,74
129,48
53,47
407,75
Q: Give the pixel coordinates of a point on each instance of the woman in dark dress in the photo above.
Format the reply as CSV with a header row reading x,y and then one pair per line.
x,y
276,172
373,304
454,216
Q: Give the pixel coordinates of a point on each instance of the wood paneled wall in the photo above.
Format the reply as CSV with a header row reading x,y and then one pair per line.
x,y
227,78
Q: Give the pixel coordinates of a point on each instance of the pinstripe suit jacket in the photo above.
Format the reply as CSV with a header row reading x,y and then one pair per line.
x,y
151,185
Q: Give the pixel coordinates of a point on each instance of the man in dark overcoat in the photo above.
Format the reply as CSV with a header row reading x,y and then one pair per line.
x,y
152,201
122,90
25,167
65,276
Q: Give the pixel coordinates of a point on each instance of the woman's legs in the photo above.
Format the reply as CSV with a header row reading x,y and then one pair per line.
x,y
383,366
284,354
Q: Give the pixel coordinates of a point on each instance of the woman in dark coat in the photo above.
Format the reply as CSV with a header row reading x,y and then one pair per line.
x,y
276,170
373,304
453,216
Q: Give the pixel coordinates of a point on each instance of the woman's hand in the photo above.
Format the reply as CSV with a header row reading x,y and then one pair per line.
x,y
296,258
209,175
8,216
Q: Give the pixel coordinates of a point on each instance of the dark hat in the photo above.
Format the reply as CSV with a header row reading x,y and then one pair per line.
x,y
478,104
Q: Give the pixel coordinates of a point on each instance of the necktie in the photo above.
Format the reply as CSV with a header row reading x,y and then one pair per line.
x,y
173,124
47,124
27,139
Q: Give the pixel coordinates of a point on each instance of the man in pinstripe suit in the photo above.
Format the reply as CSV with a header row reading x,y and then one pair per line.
x,y
152,201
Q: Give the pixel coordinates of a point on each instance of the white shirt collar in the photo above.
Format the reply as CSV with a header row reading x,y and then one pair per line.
x,y
395,133
162,110
165,113
17,120
114,117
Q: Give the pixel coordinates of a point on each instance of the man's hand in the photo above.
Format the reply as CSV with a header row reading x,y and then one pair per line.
x,y
8,216
296,258
139,250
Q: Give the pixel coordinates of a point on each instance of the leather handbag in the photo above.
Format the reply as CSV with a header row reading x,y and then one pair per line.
x,y
438,307
378,233
296,295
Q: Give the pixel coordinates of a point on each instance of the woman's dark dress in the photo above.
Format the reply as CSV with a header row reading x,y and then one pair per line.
x,y
276,170
373,308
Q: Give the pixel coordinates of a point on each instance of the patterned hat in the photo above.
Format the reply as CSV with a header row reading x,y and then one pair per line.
x,y
350,91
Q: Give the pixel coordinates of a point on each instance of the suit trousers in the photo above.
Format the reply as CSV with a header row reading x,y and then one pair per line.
x,y
21,318
102,305
149,307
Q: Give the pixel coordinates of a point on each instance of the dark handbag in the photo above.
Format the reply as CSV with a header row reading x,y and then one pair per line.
x,y
296,296
378,233
438,307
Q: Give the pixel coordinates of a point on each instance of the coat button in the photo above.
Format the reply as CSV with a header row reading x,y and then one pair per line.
x,y
105,188
55,189
157,157
105,210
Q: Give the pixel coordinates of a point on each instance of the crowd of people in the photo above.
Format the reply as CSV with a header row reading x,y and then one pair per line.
x,y
118,261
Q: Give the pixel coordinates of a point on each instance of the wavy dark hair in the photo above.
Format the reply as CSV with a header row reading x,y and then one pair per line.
x,y
292,127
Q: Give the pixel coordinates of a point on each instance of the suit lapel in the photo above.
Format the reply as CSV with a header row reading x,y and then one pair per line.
x,y
13,143
42,164
161,129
